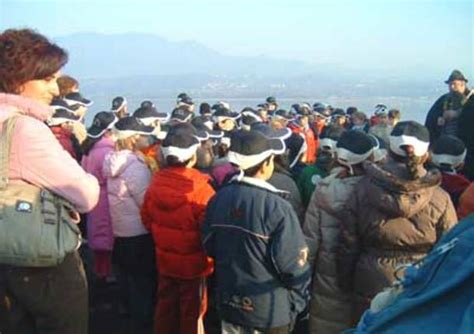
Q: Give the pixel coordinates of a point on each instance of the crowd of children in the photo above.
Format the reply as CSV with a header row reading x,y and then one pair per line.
x,y
241,212
260,221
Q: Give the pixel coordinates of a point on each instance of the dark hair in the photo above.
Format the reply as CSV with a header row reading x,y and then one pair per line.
x,y
88,144
252,171
26,55
173,161
394,113
66,85
204,108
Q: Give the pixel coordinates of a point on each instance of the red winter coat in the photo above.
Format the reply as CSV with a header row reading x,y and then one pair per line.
x,y
173,210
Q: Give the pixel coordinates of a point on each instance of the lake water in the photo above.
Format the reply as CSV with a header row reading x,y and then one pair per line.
x,y
412,108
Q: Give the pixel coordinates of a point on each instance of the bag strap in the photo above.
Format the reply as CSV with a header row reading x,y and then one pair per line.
x,y
8,127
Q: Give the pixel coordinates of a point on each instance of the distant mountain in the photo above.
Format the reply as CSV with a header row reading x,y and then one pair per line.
x,y
137,64
94,55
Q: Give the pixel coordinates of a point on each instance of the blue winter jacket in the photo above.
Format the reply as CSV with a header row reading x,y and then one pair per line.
x,y
260,254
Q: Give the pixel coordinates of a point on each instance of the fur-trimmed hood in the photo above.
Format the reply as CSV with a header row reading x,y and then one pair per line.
x,y
392,191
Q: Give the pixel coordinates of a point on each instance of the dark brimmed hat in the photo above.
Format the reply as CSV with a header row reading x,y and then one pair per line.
x,y
283,114
103,121
129,126
150,114
118,103
409,133
249,148
252,115
271,133
61,116
353,147
62,104
329,138
456,75
181,115
448,151
181,142
224,113
77,98
296,145
271,99
184,99
204,123
146,104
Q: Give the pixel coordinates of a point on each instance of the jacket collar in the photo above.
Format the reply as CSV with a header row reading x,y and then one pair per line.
x,y
26,106
256,183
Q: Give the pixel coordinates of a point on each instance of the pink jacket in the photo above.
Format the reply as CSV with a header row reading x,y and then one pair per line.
x,y
99,224
36,156
128,178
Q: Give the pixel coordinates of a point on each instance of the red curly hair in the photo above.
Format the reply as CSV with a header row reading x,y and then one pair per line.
x,y
26,55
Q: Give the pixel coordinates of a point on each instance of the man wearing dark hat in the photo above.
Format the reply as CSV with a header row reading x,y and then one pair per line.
x,y
456,84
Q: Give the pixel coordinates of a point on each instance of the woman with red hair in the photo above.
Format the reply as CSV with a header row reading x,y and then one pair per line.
x,y
40,299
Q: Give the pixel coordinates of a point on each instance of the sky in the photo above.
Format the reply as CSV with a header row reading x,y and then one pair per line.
x,y
422,35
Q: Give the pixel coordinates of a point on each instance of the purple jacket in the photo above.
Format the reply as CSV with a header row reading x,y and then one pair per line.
x,y
99,226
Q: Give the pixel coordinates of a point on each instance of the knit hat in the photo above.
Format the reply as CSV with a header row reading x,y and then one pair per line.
x,y
353,147
296,146
448,151
181,115
249,148
181,142
380,110
409,133
150,114
130,126
455,75
118,103
103,121
61,116
77,98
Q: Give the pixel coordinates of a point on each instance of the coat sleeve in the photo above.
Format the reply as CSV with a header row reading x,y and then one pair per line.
x,y
348,248
448,219
311,229
146,209
201,201
207,234
289,251
138,179
43,162
289,254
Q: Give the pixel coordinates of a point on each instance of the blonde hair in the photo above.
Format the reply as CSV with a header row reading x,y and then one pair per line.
x,y
128,143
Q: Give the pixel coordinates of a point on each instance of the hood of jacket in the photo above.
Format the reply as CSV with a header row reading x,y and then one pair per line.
x,y
390,190
117,162
11,104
